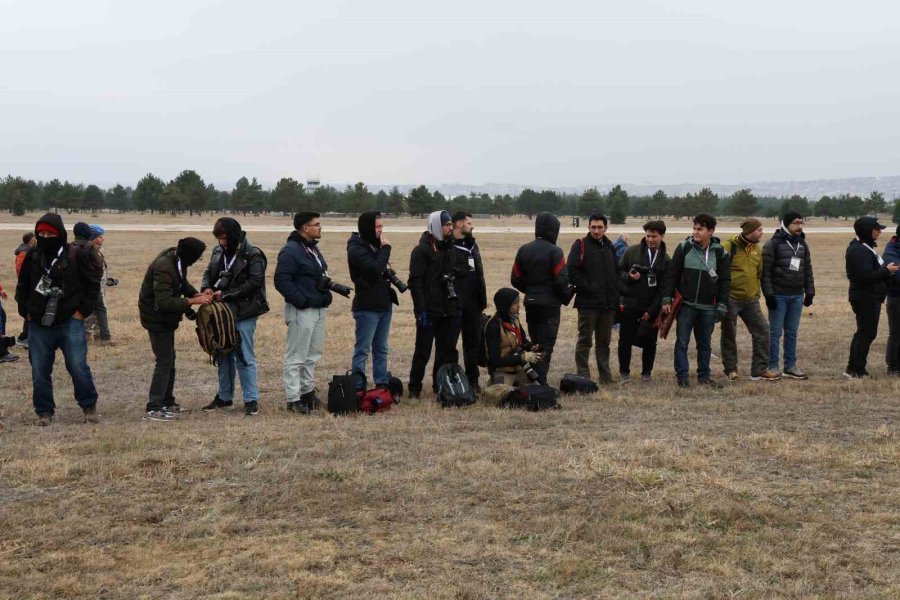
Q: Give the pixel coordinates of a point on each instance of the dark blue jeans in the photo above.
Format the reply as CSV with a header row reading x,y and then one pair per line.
x,y
372,329
785,318
701,323
43,342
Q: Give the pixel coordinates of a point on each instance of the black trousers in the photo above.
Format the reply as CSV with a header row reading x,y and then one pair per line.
x,y
630,320
444,333
868,312
892,355
543,327
472,340
163,383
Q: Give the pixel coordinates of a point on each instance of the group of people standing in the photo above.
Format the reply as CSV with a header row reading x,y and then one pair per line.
x,y
643,289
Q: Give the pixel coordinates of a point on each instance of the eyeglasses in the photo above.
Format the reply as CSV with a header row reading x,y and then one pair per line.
x,y
798,222
313,225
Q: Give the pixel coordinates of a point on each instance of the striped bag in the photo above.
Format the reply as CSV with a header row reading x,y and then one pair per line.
x,y
216,330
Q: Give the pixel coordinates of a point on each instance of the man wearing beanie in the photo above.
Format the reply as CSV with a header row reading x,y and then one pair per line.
x,y
236,275
368,256
743,302
57,289
788,286
166,296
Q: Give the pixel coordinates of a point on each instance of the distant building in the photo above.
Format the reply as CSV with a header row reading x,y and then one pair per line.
x,y
312,184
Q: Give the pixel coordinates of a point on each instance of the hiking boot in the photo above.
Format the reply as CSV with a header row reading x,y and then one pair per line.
x,y
684,383
298,407
733,375
795,373
415,390
766,376
624,377
90,414
159,415
217,403
251,408
710,383
8,358
646,377
311,401
44,419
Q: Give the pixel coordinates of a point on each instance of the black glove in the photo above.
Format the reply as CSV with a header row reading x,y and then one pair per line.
x,y
807,301
720,315
771,302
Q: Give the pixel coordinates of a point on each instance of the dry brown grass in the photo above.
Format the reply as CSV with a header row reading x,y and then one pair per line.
x,y
765,490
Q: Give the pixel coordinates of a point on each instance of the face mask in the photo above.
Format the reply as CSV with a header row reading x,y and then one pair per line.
x,y
49,246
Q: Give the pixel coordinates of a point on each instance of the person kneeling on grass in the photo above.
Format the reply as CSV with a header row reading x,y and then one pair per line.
x,y
165,297
508,348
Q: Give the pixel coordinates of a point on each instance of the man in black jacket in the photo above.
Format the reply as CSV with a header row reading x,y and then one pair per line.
x,y
236,275
643,272
473,292
369,255
868,275
433,269
539,272
166,296
593,274
57,289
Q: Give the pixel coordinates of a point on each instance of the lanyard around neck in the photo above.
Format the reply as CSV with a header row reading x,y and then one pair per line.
x,y
58,254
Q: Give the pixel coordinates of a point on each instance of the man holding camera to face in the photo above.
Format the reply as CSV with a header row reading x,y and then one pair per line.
x,y
368,256
58,288
301,276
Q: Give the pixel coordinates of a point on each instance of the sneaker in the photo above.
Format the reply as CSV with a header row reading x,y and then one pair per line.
x,y
624,377
217,403
733,375
8,358
646,377
710,383
159,415
311,401
22,343
106,341
251,408
90,414
766,376
174,409
853,375
298,407
44,420
684,383
795,373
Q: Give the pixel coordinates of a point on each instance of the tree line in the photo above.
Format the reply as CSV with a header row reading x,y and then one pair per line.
x,y
189,193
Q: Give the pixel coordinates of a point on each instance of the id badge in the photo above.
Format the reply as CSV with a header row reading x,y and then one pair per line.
x,y
43,286
471,263
795,264
713,275
651,279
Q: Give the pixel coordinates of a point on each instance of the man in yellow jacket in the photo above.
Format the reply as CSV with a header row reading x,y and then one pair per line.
x,y
743,302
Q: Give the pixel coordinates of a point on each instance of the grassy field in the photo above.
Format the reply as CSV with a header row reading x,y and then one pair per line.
x,y
761,490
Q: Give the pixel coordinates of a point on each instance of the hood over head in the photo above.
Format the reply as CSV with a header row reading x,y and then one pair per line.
x,y
436,222
503,299
366,227
232,234
189,250
49,247
546,226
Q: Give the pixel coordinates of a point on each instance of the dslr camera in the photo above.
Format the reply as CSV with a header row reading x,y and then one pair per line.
x,y
223,281
52,294
391,275
529,371
327,283
636,268
448,280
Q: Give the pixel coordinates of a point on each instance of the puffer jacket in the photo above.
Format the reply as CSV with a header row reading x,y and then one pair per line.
x,y
689,274
592,270
777,277
471,283
245,291
639,295
367,265
746,268
429,262
892,255
297,273
163,298
20,253
539,270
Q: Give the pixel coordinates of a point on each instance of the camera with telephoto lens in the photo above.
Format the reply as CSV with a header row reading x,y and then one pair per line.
x,y
53,295
636,268
223,281
327,283
529,371
448,285
391,275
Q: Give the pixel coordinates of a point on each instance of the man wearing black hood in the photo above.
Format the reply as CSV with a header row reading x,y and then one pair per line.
x,y
236,275
507,343
472,291
539,271
57,289
166,296
368,256
868,275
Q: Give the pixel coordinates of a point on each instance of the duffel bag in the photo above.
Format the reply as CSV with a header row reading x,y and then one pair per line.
x,y
534,397
376,400
576,384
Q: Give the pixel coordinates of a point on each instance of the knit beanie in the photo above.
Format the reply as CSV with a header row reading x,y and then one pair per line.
x,y
790,218
750,225
189,250
82,231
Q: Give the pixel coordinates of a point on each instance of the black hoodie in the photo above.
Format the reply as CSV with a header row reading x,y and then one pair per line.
x,y
74,271
368,259
868,277
505,330
539,270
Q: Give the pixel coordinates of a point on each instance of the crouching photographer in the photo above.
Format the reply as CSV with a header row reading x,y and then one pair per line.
x,y
368,256
509,351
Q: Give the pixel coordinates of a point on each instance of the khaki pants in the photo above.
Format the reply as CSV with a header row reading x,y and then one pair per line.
x,y
519,378
305,341
594,325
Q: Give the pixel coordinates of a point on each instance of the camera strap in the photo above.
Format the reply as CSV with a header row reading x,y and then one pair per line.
x,y
58,254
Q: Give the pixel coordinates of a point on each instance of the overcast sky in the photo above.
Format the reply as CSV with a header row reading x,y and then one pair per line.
x,y
389,91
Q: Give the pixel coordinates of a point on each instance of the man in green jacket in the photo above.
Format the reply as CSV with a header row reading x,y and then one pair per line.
x,y
743,302
165,297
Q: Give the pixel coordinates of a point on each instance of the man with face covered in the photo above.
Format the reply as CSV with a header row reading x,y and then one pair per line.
x,y
165,297
236,275
57,289
433,266
539,271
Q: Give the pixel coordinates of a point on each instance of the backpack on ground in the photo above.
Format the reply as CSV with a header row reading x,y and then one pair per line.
x,y
375,400
497,395
396,387
534,397
217,330
576,384
453,387
342,394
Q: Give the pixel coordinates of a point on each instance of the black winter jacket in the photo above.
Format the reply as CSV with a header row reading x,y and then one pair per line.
x,y
367,265
75,272
777,277
539,270
868,278
476,297
245,291
638,295
592,270
162,300
428,263
297,273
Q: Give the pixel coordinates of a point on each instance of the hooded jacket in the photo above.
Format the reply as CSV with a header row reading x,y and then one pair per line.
x,y
163,298
778,279
746,268
368,259
639,295
539,270
300,267
892,255
74,271
689,274
470,281
504,335
429,262
868,276
245,289
592,270
21,251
